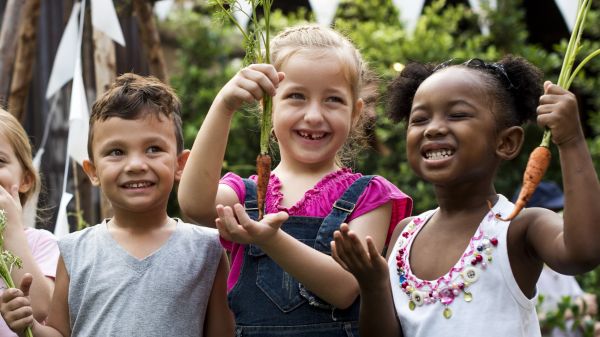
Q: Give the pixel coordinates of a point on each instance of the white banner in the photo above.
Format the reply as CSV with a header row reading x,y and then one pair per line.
x,y
568,9
62,224
104,19
64,61
324,10
78,119
410,12
242,11
162,9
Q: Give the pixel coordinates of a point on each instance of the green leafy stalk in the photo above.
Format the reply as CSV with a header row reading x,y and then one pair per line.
x,y
252,44
566,76
8,261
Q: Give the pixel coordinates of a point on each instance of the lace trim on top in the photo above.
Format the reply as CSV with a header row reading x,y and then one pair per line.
x,y
327,184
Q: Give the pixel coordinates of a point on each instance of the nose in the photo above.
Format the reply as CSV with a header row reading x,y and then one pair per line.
x,y
436,128
136,163
314,113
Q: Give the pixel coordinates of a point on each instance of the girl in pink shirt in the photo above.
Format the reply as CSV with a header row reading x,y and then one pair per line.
x,y
283,280
37,248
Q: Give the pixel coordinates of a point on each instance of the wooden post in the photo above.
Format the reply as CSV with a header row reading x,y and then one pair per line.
x,y
150,39
23,71
8,45
105,68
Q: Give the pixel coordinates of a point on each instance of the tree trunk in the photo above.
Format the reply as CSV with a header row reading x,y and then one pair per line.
x,y
150,39
8,44
105,67
23,71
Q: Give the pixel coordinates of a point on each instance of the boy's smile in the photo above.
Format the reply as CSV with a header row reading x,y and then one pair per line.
x,y
135,161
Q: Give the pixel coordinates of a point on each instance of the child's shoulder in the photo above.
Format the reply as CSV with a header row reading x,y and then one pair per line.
x,y
199,234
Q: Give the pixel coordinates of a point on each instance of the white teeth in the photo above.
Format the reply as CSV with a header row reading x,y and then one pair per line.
x,y
439,154
138,185
312,136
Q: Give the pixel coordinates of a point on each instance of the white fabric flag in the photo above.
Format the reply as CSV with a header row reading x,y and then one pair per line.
x,y
62,224
568,9
410,12
477,8
242,12
64,61
324,10
162,9
104,19
78,119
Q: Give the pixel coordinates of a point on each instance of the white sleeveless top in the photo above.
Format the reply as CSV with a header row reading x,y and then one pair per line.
x,y
479,296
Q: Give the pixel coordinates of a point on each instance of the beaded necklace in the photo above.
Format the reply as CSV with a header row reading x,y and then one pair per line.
x,y
450,286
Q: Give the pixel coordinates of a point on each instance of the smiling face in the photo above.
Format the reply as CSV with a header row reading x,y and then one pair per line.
x,y
11,169
135,162
313,110
451,135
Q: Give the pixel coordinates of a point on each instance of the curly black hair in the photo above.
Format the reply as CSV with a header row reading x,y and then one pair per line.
x,y
514,82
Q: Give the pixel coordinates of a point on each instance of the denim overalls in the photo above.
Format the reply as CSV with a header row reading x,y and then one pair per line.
x,y
267,301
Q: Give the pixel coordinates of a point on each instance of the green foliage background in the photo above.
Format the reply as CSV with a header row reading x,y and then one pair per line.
x,y
211,52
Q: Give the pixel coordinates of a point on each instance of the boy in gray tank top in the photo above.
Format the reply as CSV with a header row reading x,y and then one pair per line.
x,y
140,273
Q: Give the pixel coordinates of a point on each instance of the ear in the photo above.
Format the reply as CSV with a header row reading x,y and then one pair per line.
x,y
26,182
509,142
358,109
90,169
181,160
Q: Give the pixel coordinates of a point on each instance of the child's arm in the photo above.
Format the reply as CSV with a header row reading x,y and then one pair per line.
x,y
199,190
377,314
575,248
315,270
219,320
16,308
15,241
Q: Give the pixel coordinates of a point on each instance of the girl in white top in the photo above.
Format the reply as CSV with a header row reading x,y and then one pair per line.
x,y
460,270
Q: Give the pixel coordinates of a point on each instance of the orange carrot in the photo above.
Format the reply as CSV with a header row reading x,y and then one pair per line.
x,y
538,162
263,170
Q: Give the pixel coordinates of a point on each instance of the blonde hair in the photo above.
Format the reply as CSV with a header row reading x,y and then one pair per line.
x,y
316,41
12,129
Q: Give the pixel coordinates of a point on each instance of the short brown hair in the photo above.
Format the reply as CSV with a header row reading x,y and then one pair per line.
x,y
132,95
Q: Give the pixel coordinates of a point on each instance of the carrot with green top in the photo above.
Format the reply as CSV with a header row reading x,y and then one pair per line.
x,y
539,160
252,42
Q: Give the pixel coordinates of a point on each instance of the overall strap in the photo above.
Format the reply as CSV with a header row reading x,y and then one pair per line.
x,y
342,208
250,203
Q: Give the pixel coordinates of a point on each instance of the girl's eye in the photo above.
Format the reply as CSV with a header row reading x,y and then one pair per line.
x,y
334,99
458,115
296,95
416,119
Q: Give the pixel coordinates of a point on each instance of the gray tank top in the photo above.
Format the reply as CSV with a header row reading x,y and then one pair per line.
x,y
112,293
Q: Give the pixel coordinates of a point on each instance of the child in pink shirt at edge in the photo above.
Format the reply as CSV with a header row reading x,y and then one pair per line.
x,y
37,248
315,80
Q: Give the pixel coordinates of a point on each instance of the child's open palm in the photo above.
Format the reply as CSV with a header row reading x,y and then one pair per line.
x,y
368,266
235,225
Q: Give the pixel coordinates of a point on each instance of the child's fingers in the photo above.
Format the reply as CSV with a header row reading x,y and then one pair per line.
x,y
19,320
374,254
336,257
226,218
26,283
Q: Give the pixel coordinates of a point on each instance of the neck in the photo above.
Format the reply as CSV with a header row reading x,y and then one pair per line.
x,y
142,221
465,197
317,170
